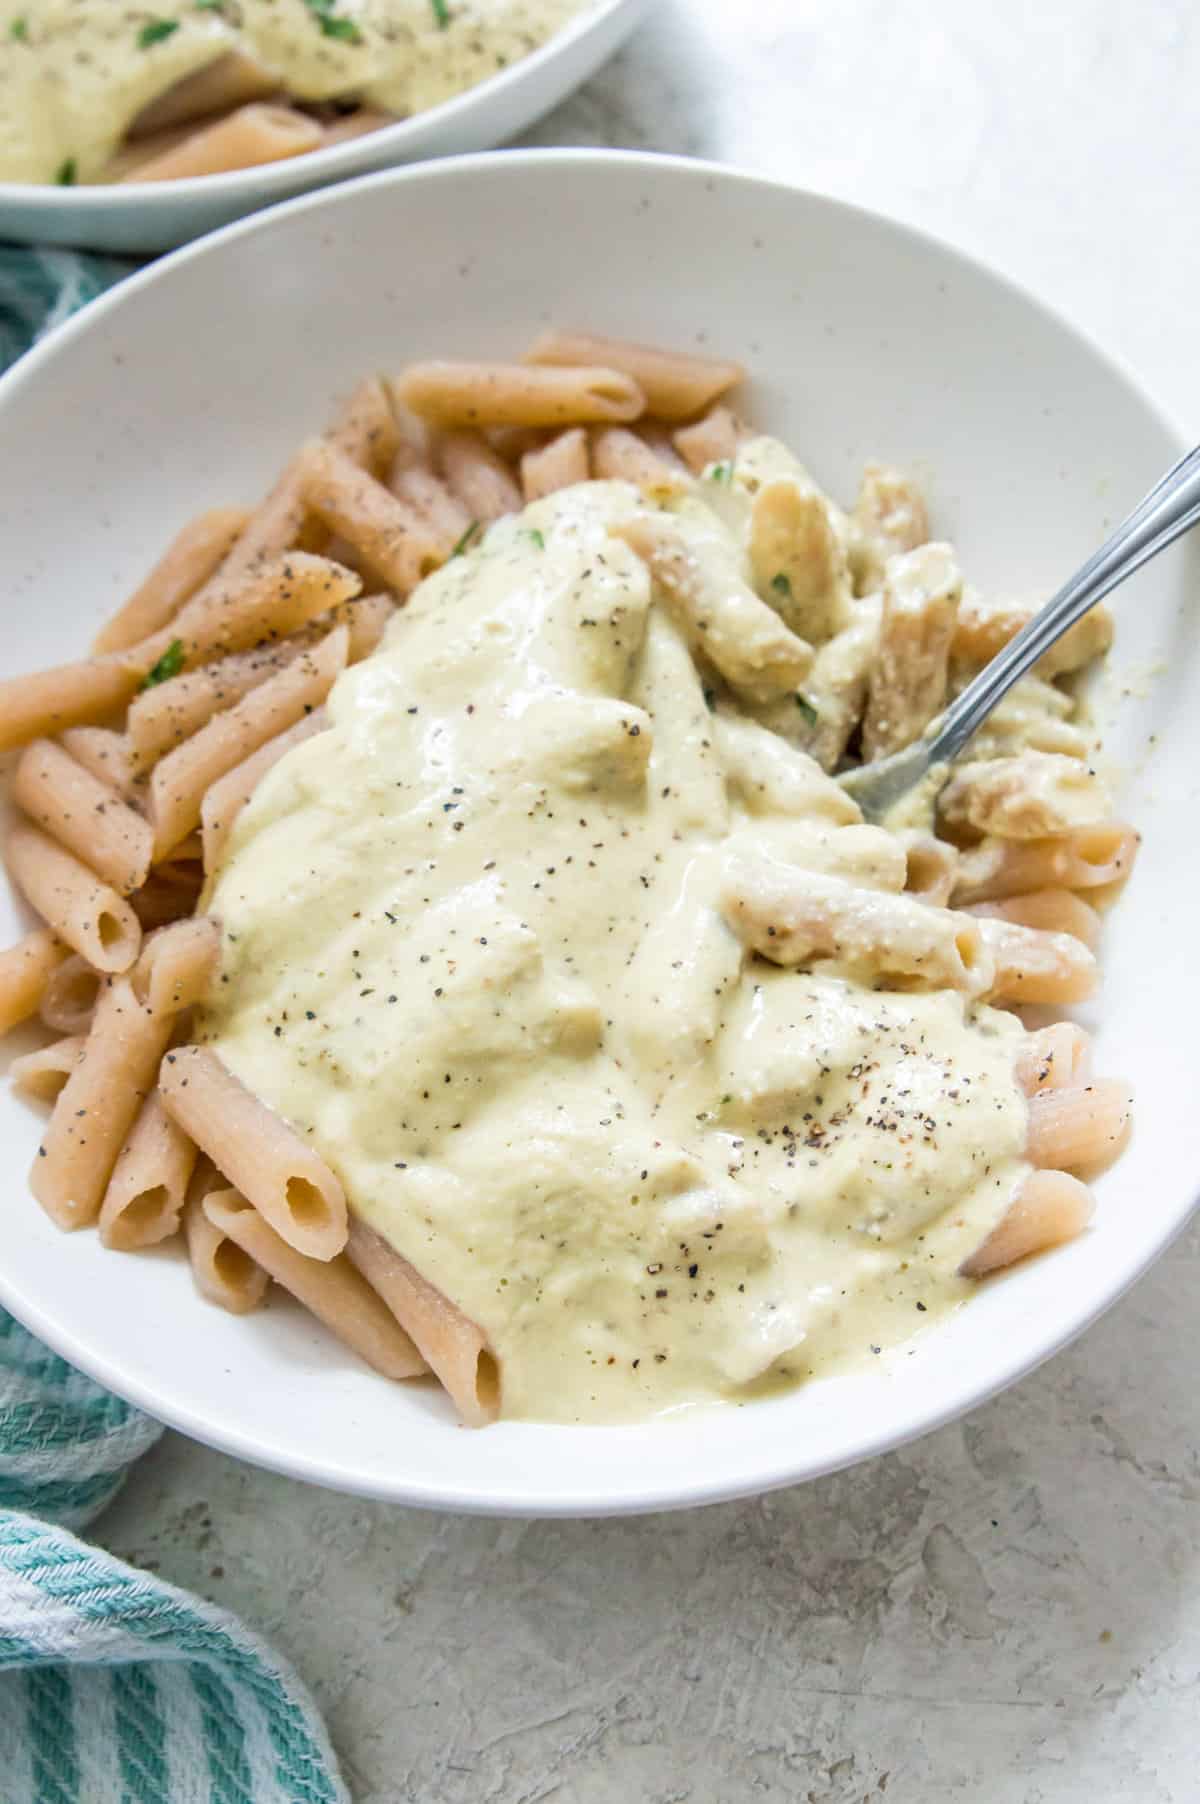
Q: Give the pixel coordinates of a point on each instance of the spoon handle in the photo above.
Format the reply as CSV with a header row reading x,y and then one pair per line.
x,y
1171,507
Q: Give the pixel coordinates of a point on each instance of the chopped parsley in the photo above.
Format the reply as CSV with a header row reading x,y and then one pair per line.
x,y
806,708
155,30
782,585
210,6
464,544
537,538
18,30
169,665
722,472
324,12
66,173
441,13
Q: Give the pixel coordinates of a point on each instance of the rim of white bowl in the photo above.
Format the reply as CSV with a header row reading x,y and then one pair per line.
x,y
777,1470
277,178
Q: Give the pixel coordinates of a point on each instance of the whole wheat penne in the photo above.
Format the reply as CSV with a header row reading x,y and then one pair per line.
x,y
930,865
355,125
221,1271
557,465
1028,795
889,518
280,523
1057,1057
675,384
180,781
772,777
1078,1125
907,682
366,619
365,429
41,1075
1086,858
177,964
106,754
985,626
454,1348
710,440
1053,910
191,558
1033,966
69,998
392,537
97,1105
276,598
480,479
171,712
514,394
334,1290
512,442
618,454
25,970
82,813
225,799
216,88
1050,1209
798,556
144,1199
70,695
87,915
444,513
289,1184
259,132
413,447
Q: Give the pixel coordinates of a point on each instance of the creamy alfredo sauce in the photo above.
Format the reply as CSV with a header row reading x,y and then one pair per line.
x,y
74,74
469,949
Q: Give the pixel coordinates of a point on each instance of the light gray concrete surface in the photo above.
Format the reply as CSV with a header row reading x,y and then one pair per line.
x,y
1009,1610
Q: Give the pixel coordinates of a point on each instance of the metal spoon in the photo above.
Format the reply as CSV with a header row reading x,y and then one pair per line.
x,y
1171,507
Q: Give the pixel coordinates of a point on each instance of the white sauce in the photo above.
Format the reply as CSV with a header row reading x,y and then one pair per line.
x,y
469,950
74,74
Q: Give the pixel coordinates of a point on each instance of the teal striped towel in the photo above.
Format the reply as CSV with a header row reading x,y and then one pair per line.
x,y
115,1687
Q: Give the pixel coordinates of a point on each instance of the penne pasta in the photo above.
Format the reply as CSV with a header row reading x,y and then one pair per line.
x,y
277,598
710,440
106,754
180,781
71,695
985,627
620,455
1027,795
1050,1209
454,1349
169,713
177,964
772,777
906,686
225,799
84,815
1033,966
222,1271
333,1290
256,133
557,465
87,915
479,479
930,865
261,1155
365,429
889,518
390,536
1077,1125
1085,858
1053,910
479,395
69,998
193,555
443,513
25,970
675,385
355,125
1055,1058
40,1075
145,1195
228,82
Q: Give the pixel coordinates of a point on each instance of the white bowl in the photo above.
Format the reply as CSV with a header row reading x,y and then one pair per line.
x,y
187,387
156,216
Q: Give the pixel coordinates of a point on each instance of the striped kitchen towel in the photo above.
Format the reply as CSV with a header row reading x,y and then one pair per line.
x,y
115,1687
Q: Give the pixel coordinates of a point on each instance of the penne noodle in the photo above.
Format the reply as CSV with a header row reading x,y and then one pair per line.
x,y
145,1195
365,429
392,537
456,1351
889,518
444,514
171,712
188,562
675,385
557,465
1086,858
277,598
512,442
89,916
177,964
479,395
1055,1058
1053,910
97,1105
1027,795
1050,1208
621,455
333,1290
1033,966
70,695
355,125
180,781
1076,1125
106,754
69,999
25,970
41,1075
985,627
84,815
251,134
225,799
772,777
228,82
413,448
710,440
907,682
480,480
260,1154
221,1271
798,557
930,866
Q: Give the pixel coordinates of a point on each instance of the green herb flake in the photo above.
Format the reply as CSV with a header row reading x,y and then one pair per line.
x,y
18,30
782,585
441,13
155,31
537,538
66,173
169,665
722,472
464,544
806,708
209,6
325,16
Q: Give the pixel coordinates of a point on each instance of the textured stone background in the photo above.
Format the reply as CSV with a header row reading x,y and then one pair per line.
x,y
1009,1610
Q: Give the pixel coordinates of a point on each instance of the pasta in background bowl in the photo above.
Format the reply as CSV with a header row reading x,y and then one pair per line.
x,y
1017,521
